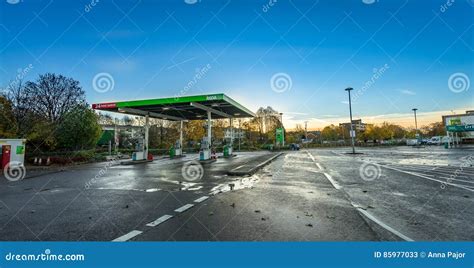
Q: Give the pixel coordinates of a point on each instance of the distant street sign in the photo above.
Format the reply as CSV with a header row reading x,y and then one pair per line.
x,y
352,133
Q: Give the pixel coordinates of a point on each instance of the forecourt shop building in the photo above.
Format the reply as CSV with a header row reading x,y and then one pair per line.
x,y
459,123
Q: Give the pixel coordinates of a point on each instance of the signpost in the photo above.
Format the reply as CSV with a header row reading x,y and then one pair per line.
x,y
280,136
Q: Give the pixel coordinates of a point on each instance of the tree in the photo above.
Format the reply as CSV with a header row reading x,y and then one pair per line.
x,y
106,119
38,107
52,95
194,130
79,129
24,118
434,129
330,133
8,125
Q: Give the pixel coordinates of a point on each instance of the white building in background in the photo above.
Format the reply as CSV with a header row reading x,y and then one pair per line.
x,y
460,123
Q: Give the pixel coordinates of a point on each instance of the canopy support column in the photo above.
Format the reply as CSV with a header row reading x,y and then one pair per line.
x,y
181,134
231,131
209,128
449,138
147,127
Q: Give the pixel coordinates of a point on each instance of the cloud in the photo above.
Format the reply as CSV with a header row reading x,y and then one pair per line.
x,y
407,92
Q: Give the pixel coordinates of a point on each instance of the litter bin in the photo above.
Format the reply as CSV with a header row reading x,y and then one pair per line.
x,y
226,150
172,152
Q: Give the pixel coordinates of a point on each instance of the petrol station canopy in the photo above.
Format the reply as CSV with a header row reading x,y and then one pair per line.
x,y
180,108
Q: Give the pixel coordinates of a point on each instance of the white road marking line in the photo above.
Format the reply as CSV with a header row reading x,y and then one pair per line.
x,y
428,178
449,178
184,208
383,225
319,166
127,236
314,160
159,220
200,199
311,156
332,181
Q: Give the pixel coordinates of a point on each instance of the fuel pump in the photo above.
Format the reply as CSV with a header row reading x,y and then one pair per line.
x,y
228,147
205,151
176,150
139,153
228,150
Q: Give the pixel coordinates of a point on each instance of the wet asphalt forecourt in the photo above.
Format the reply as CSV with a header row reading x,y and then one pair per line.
x,y
396,193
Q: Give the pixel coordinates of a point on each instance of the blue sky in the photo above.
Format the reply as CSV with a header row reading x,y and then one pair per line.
x,y
153,49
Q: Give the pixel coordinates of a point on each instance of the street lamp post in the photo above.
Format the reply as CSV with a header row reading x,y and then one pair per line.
x,y
350,113
416,125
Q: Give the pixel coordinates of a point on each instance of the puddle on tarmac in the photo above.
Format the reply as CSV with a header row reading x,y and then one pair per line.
x,y
247,182
152,190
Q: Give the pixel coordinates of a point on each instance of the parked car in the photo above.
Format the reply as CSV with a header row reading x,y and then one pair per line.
x,y
440,140
412,142
294,147
436,140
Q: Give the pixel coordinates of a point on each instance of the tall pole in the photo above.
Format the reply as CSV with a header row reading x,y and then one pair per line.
x,y
350,114
147,128
181,134
240,133
305,130
416,125
209,128
231,131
